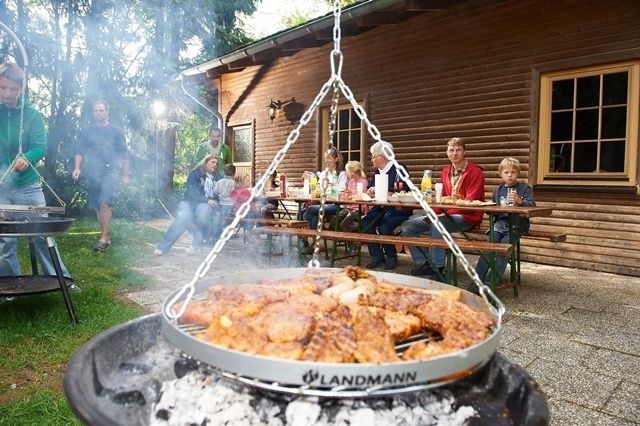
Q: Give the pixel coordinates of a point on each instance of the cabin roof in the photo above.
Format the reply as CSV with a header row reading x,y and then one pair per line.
x,y
355,20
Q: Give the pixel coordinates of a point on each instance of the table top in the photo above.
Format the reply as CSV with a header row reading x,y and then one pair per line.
x,y
490,209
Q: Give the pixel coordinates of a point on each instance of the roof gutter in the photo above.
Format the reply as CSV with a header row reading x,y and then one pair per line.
x,y
283,37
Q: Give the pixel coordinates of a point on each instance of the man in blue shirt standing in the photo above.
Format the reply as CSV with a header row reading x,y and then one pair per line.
x,y
107,163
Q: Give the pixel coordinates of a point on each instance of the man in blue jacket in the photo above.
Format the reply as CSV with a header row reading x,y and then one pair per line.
x,y
383,220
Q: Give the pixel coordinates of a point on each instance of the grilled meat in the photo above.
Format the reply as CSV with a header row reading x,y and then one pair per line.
x,y
333,340
336,317
373,338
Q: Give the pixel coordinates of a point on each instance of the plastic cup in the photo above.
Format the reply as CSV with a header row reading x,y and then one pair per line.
x,y
438,192
511,197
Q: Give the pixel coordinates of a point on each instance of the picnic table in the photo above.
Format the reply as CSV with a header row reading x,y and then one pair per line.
x,y
491,209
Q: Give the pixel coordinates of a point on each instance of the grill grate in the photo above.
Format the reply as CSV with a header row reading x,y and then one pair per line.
x,y
326,379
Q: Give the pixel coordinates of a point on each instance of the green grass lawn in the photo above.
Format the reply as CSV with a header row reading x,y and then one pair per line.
x,y
36,337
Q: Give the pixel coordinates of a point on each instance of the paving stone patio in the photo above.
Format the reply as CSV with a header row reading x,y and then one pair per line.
x,y
577,332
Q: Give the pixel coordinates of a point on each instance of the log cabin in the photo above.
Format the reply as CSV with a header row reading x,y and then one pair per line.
x,y
554,83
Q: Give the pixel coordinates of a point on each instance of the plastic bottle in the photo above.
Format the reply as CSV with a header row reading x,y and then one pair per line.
x,y
397,185
334,186
283,185
426,186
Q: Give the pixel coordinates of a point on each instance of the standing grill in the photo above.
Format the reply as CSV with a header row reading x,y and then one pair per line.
x,y
31,228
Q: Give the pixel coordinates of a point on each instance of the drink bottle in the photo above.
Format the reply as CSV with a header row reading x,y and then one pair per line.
x,y
426,185
283,185
397,185
334,186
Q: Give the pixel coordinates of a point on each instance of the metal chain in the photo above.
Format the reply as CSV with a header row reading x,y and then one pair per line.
x,y
246,206
325,183
334,81
485,291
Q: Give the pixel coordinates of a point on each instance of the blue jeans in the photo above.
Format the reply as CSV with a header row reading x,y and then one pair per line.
x,y
311,214
30,195
188,219
383,221
220,213
417,226
501,262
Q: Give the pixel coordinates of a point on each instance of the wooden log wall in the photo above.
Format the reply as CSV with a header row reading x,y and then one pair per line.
x,y
467,71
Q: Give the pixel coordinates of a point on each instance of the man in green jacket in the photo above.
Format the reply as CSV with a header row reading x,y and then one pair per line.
x,y
214,146
19,181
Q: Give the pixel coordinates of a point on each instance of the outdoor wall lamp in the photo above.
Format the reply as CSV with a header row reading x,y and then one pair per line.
x,y
274,106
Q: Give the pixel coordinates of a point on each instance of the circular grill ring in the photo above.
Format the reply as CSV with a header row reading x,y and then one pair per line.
x,y
25,285
34,227
365,380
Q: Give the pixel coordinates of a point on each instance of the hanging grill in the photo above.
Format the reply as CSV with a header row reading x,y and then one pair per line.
x,y
334,380
321,378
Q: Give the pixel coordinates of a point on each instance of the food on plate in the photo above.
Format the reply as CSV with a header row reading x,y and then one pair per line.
x,y
363,196
469,202
346,317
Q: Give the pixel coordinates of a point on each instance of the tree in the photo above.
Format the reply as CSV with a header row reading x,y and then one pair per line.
x,y
123,51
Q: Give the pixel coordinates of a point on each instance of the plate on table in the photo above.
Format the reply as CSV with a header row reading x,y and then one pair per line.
x,y
363,197
475,203
407,199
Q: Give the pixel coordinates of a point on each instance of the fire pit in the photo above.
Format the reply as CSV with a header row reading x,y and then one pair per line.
x,y
132,375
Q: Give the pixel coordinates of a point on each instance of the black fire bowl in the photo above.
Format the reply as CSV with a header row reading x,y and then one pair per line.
x,y
116,377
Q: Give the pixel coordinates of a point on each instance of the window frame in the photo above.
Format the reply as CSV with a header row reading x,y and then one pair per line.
x,y
243,166
324,132
626,178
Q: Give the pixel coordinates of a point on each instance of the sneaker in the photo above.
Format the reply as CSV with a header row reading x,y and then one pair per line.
x,y
424,269
158,252
375,263
101,245
391,263
74,288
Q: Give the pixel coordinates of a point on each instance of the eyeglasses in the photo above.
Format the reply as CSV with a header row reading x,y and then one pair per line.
x,y
374,156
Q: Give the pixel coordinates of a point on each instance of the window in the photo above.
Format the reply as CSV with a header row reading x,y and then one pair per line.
x,y
589,126
348,135
242,149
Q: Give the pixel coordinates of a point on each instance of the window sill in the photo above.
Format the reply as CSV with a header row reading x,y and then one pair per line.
x,y
585,188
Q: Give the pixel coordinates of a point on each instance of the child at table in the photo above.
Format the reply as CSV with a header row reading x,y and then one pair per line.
x,y
508,169
239,196
221,194
349,216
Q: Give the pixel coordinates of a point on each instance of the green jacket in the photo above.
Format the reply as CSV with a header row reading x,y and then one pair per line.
x,y
34,142
223,158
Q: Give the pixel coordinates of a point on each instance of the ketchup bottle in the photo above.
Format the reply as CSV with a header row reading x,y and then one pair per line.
x,y
397,185
283,186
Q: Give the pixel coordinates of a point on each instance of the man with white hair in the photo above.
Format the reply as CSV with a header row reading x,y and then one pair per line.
x,y
383,220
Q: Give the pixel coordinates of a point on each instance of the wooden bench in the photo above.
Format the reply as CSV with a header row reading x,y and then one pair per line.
x,y
534,235
500,249
553,237
268,221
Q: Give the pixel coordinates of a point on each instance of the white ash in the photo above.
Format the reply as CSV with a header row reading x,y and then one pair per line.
x,y
204,399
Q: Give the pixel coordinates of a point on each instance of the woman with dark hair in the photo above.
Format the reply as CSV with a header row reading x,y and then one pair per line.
x,y
336,176
195,211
